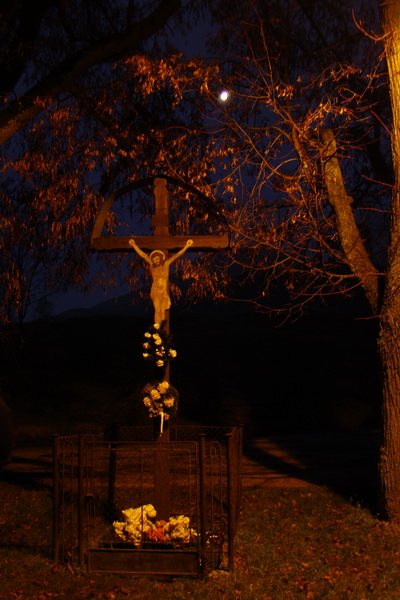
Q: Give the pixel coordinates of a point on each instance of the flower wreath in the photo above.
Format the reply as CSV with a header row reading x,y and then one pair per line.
x,y
161,400
157,346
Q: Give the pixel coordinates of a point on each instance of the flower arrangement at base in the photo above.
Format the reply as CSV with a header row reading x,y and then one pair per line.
x,y
139,525
161,400
157,346
136,524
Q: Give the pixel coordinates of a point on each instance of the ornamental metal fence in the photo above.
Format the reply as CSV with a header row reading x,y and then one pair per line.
x,y
125,503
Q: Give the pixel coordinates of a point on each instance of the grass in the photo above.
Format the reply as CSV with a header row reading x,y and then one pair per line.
x,y
292,543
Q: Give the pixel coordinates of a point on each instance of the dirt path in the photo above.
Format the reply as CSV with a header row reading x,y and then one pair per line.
x,y
344,461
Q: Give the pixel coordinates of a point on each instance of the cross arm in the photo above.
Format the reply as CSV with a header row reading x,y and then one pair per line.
x,y
201,243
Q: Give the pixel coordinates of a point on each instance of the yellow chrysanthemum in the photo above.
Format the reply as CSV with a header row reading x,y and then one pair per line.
x,y
163,386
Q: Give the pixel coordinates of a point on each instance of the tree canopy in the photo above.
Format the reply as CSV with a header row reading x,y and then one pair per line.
x,y
48,47
97,96
306,129
88,104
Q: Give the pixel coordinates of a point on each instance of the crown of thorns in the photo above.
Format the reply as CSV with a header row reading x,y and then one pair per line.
x,y
155,252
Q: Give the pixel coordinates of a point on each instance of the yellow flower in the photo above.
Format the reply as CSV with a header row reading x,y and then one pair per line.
x,y
119,529
163,386
150,510
178,528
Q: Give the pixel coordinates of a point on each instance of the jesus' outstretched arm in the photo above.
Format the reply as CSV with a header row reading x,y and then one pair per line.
x,y
179,253
139,251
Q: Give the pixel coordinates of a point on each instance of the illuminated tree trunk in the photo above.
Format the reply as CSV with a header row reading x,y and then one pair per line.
x,y
389,336
389,347
385,304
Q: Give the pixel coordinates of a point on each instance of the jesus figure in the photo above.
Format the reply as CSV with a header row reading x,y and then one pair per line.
x,y
159,268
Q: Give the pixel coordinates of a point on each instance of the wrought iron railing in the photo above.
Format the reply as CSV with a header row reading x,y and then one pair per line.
x,y
193,482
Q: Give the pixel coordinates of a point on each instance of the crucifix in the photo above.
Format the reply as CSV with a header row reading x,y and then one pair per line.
x,y
160,262
159,245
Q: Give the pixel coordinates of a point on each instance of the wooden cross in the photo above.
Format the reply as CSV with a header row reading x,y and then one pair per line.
x,y
160,240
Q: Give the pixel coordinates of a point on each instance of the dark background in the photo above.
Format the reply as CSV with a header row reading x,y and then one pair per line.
x,y
82,370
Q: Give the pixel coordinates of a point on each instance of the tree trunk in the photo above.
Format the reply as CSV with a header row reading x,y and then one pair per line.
x,y
389,335
389,468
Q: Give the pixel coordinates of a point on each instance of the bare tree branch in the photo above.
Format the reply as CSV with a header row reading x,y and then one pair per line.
x,y
17,114
352,243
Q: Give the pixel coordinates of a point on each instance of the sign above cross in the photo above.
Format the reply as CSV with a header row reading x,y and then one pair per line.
x,y
161,238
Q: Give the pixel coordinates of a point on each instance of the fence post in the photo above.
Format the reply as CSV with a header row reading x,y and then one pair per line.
x,y
203,505
232,500
162,495
236,469
81,502
112,469
56,500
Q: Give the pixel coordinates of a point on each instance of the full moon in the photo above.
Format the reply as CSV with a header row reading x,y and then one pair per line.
x,y
224,95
